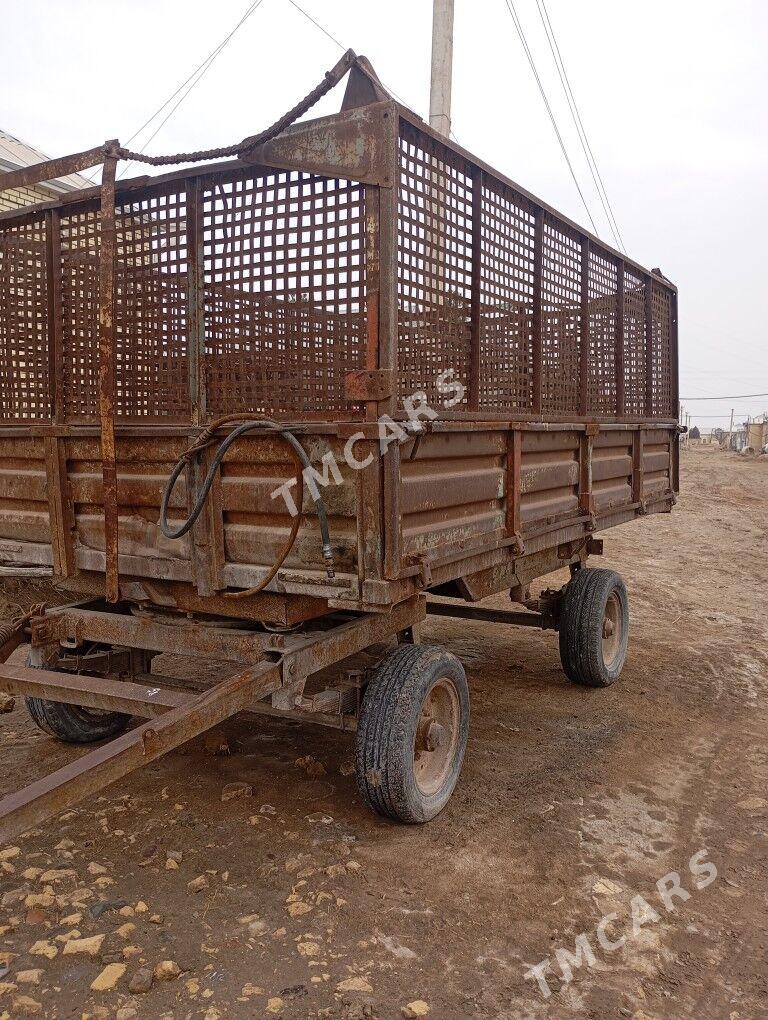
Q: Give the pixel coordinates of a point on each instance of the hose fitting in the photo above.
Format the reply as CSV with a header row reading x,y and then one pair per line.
x,y
328,560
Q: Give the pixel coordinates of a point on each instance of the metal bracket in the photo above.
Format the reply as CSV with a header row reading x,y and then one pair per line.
x,y
365,385
424,576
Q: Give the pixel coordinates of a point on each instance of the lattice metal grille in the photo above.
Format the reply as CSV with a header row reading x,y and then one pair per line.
x,y
601,364
151,369
79,232
661,367
634,344
560,321
434,265
150,308
506,301
24,372
284,258
280,282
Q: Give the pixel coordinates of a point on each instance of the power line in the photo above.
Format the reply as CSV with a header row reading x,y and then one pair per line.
x,y
195,78
579,124
317,24
341,46
526,50
738,396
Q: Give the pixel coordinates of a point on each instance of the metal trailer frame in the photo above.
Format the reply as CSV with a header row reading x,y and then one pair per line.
x,y
616,422
279,666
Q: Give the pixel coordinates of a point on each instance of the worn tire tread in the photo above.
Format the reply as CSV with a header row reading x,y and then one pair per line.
x,y
381,761
581,619
63,721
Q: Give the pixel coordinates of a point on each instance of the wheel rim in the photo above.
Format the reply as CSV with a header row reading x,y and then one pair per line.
x,y
613,625
437,737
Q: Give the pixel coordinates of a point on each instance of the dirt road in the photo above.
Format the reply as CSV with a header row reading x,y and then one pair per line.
x,y
572,804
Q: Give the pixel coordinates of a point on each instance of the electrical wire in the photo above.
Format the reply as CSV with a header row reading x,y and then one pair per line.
x,y
341,46
195,78
579,124
737,396
317,24
521,34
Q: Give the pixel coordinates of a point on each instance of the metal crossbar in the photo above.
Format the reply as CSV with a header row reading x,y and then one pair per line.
x,y
44,799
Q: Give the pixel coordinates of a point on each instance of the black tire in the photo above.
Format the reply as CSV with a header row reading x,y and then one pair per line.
x,y
411,690
74,724
590,656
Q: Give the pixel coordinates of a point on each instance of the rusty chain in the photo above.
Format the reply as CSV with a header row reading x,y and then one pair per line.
x,y
330,79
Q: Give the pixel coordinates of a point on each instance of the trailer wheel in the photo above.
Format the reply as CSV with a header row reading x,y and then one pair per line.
x,y
412,733
74,724
594,627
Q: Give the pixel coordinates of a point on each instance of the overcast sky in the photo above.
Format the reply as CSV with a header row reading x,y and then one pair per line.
x,y
674,96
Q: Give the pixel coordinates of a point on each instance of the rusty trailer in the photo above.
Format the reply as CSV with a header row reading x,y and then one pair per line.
x,y
274,409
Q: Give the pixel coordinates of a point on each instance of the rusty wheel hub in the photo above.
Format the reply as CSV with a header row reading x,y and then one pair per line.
x,y
612,629
437,737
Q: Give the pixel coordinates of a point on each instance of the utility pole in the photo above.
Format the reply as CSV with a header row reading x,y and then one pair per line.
x,y
442,67
730,430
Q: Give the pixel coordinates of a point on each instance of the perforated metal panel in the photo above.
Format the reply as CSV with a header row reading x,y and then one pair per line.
x,y
522,305
601,366
245,289
434,265
634,344
661,365
79,233
151,371
506,300
560,320
284,259
24,357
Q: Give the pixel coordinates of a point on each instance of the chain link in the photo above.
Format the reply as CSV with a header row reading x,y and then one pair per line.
x,y
331,78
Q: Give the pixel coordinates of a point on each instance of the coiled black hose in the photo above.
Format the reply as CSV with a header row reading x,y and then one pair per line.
x,y
205,440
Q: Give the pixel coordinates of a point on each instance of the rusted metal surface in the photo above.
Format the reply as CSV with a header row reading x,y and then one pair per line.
x,y
90,691
468,489
355,144
107,376
176,715
50,169
312,653
511,617
369,385
322,277
14,633
168,633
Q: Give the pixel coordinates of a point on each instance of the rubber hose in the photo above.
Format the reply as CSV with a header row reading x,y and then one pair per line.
x,y
245,427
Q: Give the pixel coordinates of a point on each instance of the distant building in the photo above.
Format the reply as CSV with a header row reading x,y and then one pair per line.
x,y
698,436
15,154
757,435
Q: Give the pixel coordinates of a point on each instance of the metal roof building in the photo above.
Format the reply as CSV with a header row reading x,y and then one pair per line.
x,y
14,154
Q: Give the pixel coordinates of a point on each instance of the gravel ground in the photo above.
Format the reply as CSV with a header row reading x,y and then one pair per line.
x,y
158,899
